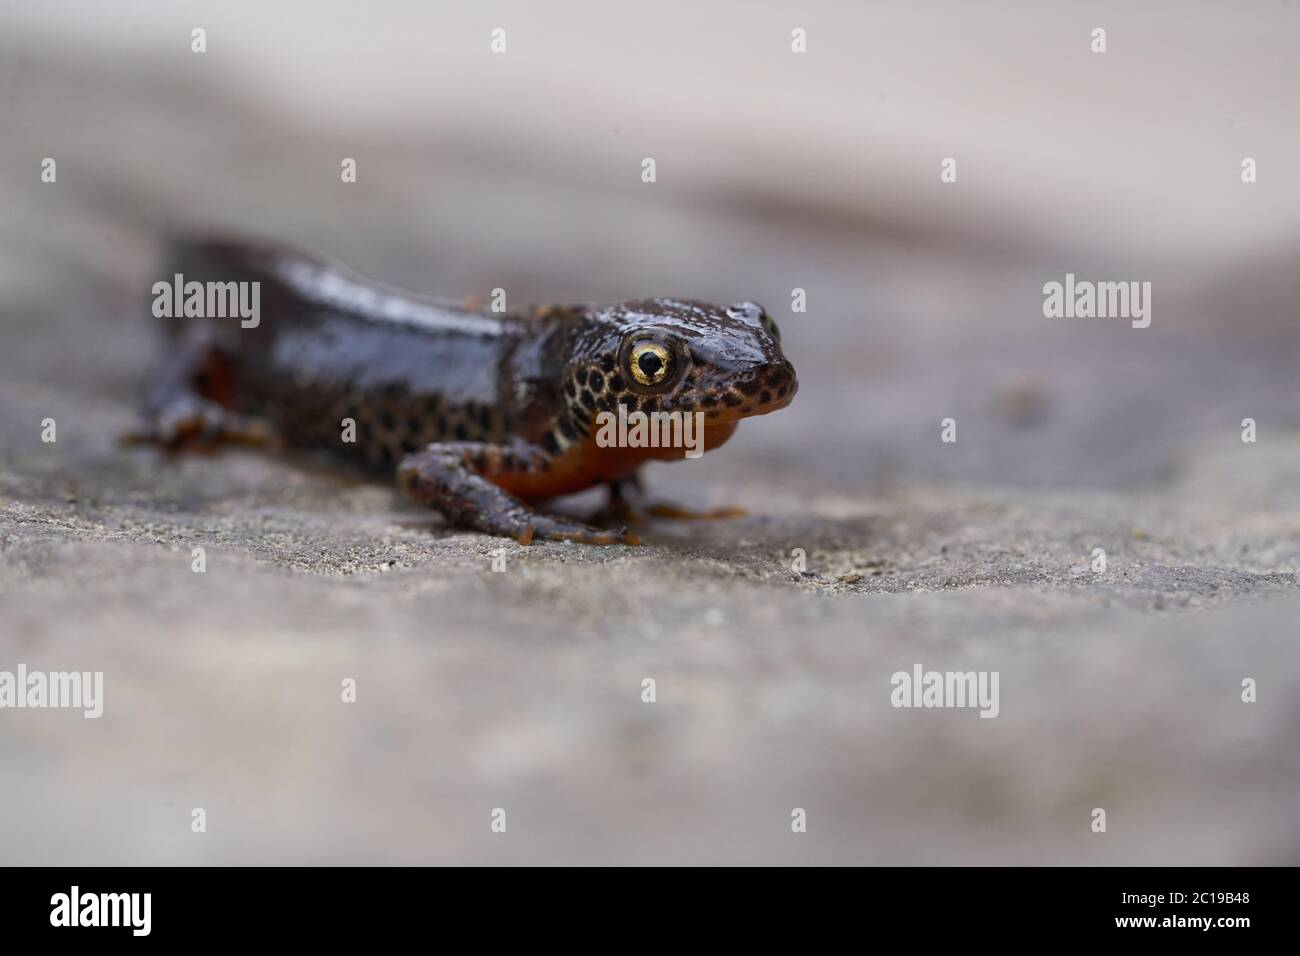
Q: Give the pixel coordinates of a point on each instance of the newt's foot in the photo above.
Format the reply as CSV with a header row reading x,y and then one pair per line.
x,y
627,506
664,509
539,527
455,478
194,421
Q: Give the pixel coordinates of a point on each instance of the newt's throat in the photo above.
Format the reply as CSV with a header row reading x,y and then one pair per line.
x,y
618,461
587,463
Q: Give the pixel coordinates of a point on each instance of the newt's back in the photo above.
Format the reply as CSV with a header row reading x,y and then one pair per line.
x,y
311,348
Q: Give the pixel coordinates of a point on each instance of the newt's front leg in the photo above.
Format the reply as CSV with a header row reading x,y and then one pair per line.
x,y
456,479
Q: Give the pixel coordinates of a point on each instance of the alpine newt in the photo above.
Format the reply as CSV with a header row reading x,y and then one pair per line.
x,y
479,414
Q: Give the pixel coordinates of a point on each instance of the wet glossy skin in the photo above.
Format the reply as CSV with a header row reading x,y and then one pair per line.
x,y
725,362
482,411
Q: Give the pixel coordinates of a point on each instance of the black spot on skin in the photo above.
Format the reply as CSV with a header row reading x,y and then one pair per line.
x,y
409,445
607,364
781,390
462,433
567,429
751,386
588,399
714,413
597,381
550,443
708,401
616,383
582,377
388,420
414,425
731,401
649,404
485,418
570,389
765,397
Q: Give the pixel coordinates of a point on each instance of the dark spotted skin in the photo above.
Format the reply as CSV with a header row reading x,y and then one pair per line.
x,y
479,414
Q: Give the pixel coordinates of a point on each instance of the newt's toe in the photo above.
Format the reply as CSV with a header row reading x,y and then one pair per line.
x,y
548,528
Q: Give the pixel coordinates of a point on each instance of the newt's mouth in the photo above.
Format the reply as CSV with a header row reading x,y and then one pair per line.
x,y
776,404
766,390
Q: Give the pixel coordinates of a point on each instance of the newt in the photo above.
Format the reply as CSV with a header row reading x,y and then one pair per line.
x,y
480,415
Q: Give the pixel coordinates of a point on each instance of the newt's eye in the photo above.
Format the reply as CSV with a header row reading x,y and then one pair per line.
x,y
649,363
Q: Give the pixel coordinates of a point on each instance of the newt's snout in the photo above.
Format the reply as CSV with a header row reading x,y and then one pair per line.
x,y
740,367
771,386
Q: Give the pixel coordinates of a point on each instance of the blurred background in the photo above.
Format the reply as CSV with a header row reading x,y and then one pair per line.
x,y
775,170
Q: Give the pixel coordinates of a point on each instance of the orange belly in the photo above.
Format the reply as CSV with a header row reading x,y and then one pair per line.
x,y
587,464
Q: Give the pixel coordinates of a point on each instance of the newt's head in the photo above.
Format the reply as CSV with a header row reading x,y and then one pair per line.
x,y
672,355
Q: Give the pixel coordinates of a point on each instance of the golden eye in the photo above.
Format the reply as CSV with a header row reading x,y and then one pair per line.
x,y
649,363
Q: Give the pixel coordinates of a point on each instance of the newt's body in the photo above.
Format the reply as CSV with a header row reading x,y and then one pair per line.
x,y
479,414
